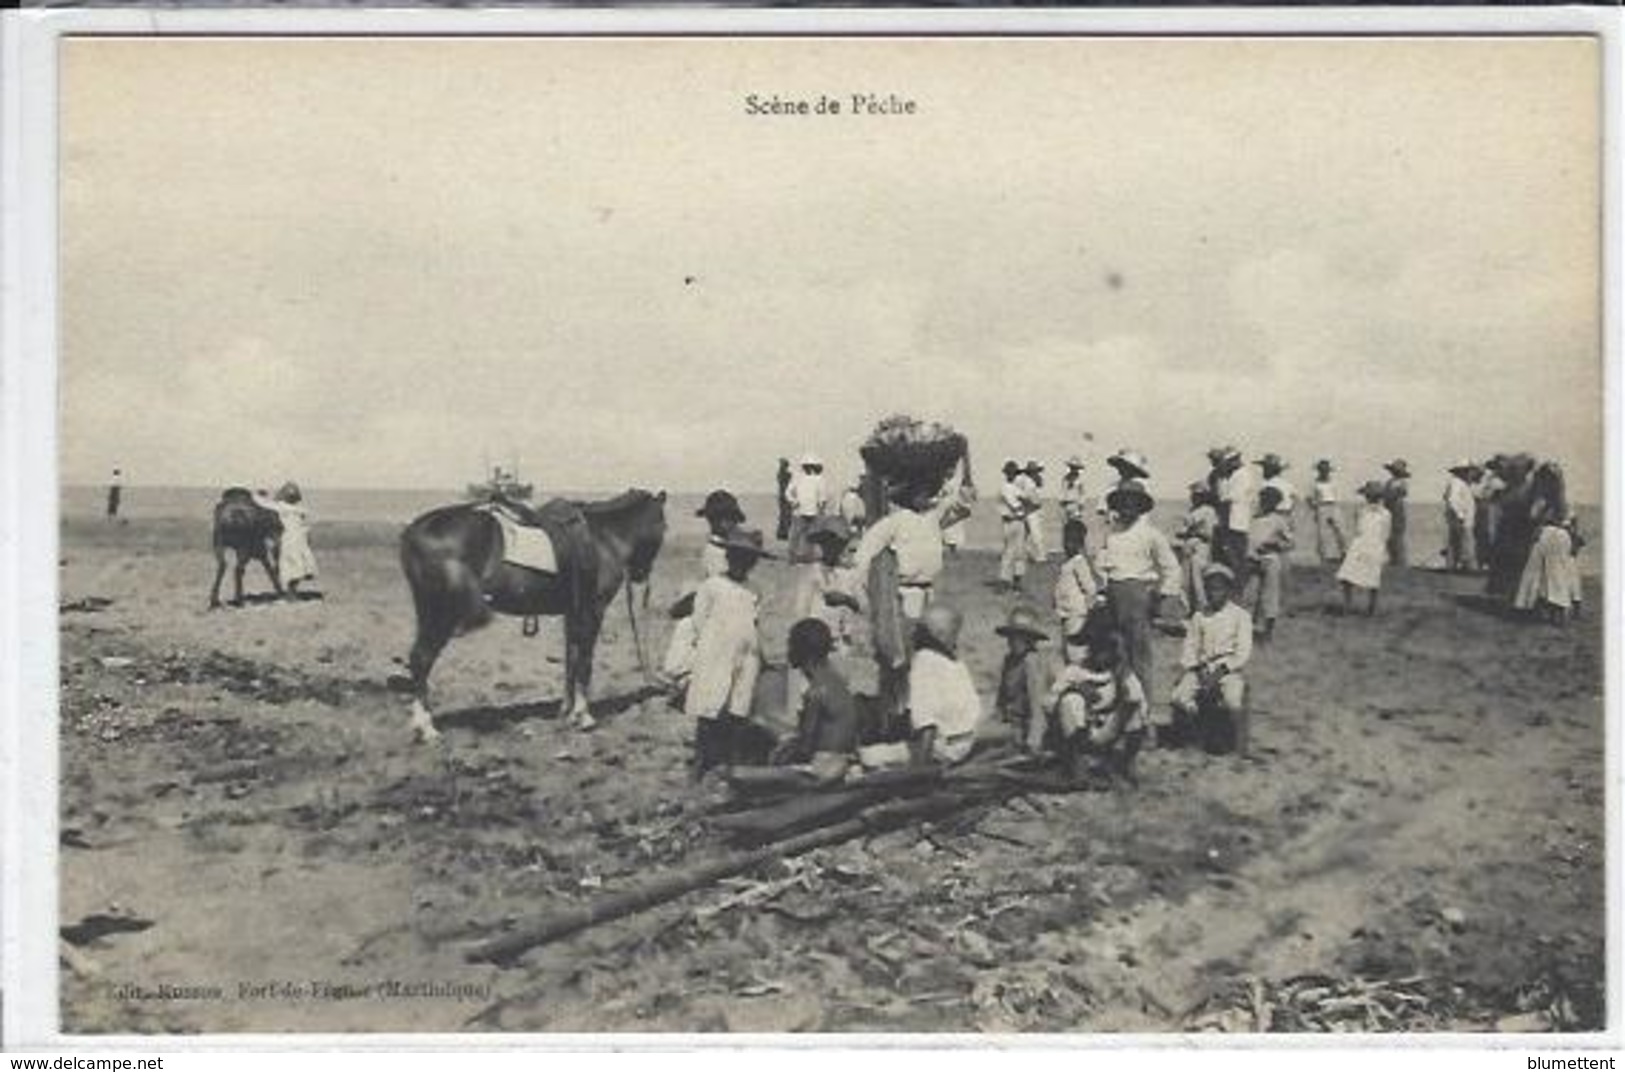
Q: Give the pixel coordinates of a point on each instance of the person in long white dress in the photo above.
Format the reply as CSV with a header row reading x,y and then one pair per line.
x,y
1550,583
1368,551
296,562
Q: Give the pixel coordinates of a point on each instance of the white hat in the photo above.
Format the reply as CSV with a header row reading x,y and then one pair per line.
x,y
810,459
1130,463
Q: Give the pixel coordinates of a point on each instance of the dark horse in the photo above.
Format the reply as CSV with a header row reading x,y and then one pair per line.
x,y
453,558
250,530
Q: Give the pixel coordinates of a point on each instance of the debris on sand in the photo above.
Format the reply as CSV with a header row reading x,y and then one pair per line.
x,y
1328,1004
87,605
100,924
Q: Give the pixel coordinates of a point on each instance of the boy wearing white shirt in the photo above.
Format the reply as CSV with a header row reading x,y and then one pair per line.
x,y
944,709
1218,646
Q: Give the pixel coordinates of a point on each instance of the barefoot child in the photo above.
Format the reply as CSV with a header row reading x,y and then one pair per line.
x,y
827,724
1099,711
1023,679
727,655
1368,551
1218,645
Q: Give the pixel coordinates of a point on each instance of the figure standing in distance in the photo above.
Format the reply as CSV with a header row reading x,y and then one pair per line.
x,y
115,493
1393,497
783,528
1460,513
1328,514
1074,498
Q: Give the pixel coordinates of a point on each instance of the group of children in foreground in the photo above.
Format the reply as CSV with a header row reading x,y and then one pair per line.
x,y
1092,716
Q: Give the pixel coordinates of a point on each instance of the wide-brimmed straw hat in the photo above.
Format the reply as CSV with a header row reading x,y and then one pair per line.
x,y
722,505
1463,467
1272,461
1131,463
1075,462
1218,569
1399,467
1032,467
747,541
1130,497
1011,467
811,460
1022,621
941,623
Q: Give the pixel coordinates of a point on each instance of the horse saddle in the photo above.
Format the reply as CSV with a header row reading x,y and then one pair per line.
x,y
546,538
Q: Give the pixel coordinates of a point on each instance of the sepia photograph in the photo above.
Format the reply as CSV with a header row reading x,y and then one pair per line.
x,y
1061,534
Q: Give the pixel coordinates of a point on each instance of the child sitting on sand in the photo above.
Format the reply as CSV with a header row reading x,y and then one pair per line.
x,y
1023,679
1218,644
944,710
827,723
727,656
1368,551
1098,708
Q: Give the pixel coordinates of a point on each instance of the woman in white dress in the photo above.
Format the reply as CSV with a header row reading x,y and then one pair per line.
x,y
1550,584
296,563
1368,551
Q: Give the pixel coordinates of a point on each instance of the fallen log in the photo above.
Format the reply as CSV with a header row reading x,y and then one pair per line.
x,y
507,948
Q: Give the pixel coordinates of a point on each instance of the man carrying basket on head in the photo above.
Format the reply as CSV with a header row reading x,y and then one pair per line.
x,y
900,556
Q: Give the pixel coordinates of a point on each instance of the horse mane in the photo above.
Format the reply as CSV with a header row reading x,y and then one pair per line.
x,y
627,500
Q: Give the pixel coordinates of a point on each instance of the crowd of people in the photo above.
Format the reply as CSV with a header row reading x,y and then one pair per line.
x,y
1217,581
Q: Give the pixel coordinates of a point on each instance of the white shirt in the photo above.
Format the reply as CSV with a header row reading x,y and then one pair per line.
x,y
1074,500
941,694
1323,494
915,538
807,494
1076,589
1459,500
727,653
1140,553
1289,493
1238,491
1224,636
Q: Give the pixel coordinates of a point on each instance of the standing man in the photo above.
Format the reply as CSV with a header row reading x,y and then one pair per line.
x,y
1394,494
1032,478
783,530
1140,569
809,500
1327,512
1460,511
1237,494
1272,468
1014,505
1074,502
115,493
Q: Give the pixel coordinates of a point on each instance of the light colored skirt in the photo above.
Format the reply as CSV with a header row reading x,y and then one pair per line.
x,y
1362,566
1550,575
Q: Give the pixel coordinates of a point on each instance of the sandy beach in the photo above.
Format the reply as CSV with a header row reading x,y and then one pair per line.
x,y
247,822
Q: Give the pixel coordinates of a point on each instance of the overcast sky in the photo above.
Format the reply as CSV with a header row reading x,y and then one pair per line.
x,y
366,263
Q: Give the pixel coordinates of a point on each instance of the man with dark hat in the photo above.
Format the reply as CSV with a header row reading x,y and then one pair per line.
x,y
1140,568
1394,493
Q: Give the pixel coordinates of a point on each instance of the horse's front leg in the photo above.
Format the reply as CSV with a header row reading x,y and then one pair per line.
x,y
237,571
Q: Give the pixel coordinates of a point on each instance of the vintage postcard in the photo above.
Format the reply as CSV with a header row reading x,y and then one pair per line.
x,y
933,533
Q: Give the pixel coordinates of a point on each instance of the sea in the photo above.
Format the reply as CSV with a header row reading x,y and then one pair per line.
x,y
982,530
